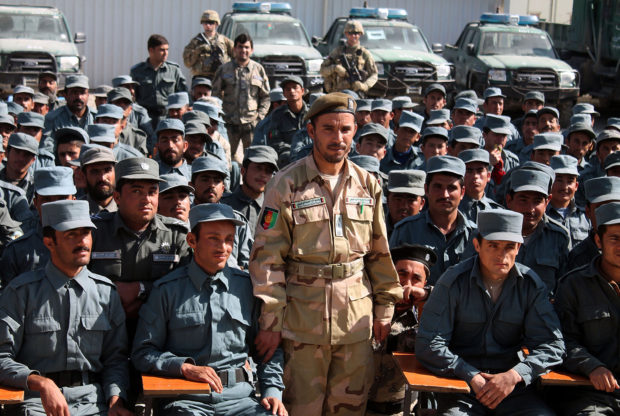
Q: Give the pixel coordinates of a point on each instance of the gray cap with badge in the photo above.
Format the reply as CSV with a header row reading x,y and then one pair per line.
x,y
54,180
170,124
603,189
25,142
76,81
415,252
445,164
174,180
66,215
497,124
262,154
411,120
137,168
210,213
524,180
608,214
500,225
410,181
564,165
548,141
209,163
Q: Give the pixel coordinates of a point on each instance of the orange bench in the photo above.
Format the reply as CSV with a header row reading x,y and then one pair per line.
x,y
9,395
420,379
563,378
154,386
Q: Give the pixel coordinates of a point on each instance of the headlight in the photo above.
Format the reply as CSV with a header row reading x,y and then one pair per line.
x,y
68,64
567,79
314,65
443,71
380,69
497,75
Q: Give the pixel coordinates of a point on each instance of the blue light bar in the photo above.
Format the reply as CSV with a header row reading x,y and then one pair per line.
x,y
528,20
503,18
378,13
264,7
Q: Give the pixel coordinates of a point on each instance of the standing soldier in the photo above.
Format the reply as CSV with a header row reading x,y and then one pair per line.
x,y
243,86
207,51
350,66
322,266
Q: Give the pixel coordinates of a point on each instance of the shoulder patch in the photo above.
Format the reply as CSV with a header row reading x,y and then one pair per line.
x,y
269,218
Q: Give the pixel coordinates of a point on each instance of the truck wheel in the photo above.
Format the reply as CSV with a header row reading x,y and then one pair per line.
x,y
565,108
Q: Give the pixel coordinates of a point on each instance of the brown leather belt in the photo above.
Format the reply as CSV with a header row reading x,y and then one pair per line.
x,y
240,375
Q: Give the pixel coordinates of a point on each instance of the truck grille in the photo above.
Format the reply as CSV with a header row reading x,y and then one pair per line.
x,y
30,62
535,79
413,72
282,66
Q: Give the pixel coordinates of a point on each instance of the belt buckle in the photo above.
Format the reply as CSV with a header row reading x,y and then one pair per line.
x,y
337,271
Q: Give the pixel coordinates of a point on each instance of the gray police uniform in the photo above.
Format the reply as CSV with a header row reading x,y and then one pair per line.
x,y
94,208
470,207
583,252
122,255
260,131
134,137
514,133
390,162
206,320
575,221
16,201
462,332
24,254
26,184
546,251
67,329
156,85
63,117
284,124
122,151
242,203
419,229
139,118
301,145
183,170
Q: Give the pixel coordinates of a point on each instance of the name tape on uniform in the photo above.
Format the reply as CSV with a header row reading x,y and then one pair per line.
x,y
307,203
354,200
106,255
166,258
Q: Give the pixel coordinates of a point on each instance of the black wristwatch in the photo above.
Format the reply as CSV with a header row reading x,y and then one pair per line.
x,y
142,293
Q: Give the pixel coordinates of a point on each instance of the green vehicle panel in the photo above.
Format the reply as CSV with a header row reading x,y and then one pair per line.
x,y
515,58
405,61
36,39
281,45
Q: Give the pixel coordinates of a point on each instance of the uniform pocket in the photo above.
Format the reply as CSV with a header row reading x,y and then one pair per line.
x,y
41,331
358,225
508,328
186,331
93,328
311,233
359,313
305,308
597,324
166,86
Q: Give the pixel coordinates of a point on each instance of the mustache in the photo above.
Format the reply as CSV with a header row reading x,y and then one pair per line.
x,y
81,248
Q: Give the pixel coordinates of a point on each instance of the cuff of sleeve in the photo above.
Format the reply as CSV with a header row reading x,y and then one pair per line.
x,y
173,366
114,390
384,312
465,371
591,365
271,321
524,371
21,377
272,392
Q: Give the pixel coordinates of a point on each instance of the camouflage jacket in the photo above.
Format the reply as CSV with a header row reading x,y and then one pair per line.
x,y
357,57
244,92
320,260
203,56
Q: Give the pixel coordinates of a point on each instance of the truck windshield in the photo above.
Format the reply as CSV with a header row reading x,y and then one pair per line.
x,y
514,43
33,26
272,33
393,37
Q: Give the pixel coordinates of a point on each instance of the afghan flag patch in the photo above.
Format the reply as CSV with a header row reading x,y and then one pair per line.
x,y
270,216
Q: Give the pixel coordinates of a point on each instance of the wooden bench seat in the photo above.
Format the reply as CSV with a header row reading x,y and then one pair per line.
x,y
563,378
155,386
9,395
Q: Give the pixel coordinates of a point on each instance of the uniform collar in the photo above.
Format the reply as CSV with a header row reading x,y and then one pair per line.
x,y
476,276
198,276
245,198
119,224
59,279
460,220
313,174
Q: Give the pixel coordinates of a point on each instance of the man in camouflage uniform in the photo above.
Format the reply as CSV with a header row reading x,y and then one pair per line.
x,y
413,263
207,51
321,264
360,62
243,86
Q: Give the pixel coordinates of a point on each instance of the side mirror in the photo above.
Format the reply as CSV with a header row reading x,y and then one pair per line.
x,y
437,48
79,37
470,48
316,40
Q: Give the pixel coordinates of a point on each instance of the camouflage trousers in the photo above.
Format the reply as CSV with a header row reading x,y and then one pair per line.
x,y
326,379
239,133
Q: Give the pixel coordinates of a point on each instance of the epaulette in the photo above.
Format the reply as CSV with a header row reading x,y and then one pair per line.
x,y
174,275
173,221
102,279
10,186
53,114
137,65
557,226
240,215
408,219
451,275
529,272
173,64
27,278
240,273
103,216
21,237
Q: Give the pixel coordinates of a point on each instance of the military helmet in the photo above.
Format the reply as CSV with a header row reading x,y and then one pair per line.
x,y
353,26
210,16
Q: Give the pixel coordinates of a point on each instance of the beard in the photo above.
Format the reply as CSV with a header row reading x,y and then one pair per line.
x,y
98,193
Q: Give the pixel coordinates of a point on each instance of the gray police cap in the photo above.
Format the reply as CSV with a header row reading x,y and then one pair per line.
x,y
40,98
262,154
410,181
195,116
493,92
351,93
22,89
102,133
435,87
548,110
613,122
548,141
172,181
612,160
209,163
4,109
170,124
466,134
7,119
276,94
119,93
475,155
607,135
603,189
411,120
96,154
14,108
541,167
110,111
177,100
137,168
201,81
608,214
582,127
196,127
123,80
402,102
209,109
585,108
564,165
210,213
497,124
374,128
535,96
31,119
524,180
500,225
364,104
66,215
580,118
438,117
381,104
292,78
434,131
101,91
466,104
445,164
369,163
54,180
25,142
76,81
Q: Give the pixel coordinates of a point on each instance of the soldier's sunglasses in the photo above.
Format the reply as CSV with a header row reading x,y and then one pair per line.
x,y
356,33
